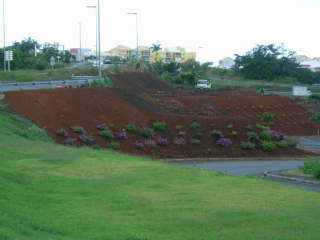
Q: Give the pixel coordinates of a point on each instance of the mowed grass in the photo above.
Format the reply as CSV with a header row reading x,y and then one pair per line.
x,y
50,192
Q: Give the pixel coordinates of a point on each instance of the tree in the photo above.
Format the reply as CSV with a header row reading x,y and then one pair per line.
x,y
270,62
155,49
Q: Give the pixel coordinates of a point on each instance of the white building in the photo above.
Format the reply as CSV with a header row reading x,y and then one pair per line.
x,y
226,63
313,65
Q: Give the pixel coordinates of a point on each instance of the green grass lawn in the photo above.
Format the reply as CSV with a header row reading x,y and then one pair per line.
x,y
50,192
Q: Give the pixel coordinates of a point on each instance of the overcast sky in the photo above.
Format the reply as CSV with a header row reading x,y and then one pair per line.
x,y
213,28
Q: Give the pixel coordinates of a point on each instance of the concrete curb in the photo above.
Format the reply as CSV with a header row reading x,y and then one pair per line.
x,y
190,160
291,179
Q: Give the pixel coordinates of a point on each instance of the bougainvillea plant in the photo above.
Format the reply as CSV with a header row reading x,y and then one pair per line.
x,y
224,142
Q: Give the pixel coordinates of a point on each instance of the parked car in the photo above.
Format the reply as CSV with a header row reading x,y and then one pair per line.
x,y
203,84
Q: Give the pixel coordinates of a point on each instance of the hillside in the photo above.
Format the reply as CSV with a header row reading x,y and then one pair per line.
x,y
52,192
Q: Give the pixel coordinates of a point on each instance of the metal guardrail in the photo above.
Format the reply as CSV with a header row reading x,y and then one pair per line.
x,y
76,81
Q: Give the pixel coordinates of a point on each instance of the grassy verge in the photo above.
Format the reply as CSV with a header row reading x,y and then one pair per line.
x,y
53,192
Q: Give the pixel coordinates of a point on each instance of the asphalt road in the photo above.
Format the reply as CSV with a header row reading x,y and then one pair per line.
x,y
244,168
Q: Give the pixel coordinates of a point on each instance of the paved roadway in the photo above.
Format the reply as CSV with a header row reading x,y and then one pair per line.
x,y
244,168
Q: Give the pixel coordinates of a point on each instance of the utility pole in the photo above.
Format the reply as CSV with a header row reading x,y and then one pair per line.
x,y
137,32
4,36
99,41
98,36
80,41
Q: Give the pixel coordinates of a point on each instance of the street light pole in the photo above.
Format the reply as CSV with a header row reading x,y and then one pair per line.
x,y
4,36
80,41
137,32
99,40
98,36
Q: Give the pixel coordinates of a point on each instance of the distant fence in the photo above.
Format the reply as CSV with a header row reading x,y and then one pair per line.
x,y
76,81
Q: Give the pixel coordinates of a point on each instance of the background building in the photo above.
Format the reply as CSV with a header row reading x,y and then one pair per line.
x,y
226,63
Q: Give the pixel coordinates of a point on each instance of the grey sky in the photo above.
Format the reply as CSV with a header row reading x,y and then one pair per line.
x,y
221,27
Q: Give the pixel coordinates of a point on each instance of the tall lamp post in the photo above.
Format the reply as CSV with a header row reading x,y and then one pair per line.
x,y
4,35
137,32
98,36
80,41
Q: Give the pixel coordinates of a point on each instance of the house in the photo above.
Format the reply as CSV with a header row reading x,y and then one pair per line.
x,y
119,51
177,54
80,54
226,63
313,65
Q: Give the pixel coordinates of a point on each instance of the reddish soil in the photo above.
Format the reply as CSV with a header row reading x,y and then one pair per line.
x,y
142,99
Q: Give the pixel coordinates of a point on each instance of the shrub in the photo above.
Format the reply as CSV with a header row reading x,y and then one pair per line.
x,y
253,137
265,135
195,141
139,145
224,142
195,126
62,133
291,142
162,141
316,118
107,134
262,127
315,97
147,132
179,141
216,135
114,145
282,144
179,127
234,133
248,146
132,128
230,126
312,168
150,143
102,126
121,135
70,142
160,127
79,130
276,135
268,146
267,117
87,140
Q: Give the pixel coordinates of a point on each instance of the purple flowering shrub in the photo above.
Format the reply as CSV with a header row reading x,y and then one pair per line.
x,y
276,135
102,126
121,135
179,141
224,142
162,141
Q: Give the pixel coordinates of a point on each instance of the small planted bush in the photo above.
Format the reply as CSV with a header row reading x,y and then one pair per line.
x,y
122,135
195,126
114,145
230,126
195,141
62,133
216,135
139,145
267,117
87,140
102,126
262,127
147,132
276,135
70,142
224,142
268,146
179,127
265,135
107,134
248,146
234,133
150,143
316,118
312,168
160,127
179,141
253,137
162,141
132,128
78,130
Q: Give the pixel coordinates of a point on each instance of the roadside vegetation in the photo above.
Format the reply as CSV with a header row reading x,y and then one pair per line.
x,y
53,192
